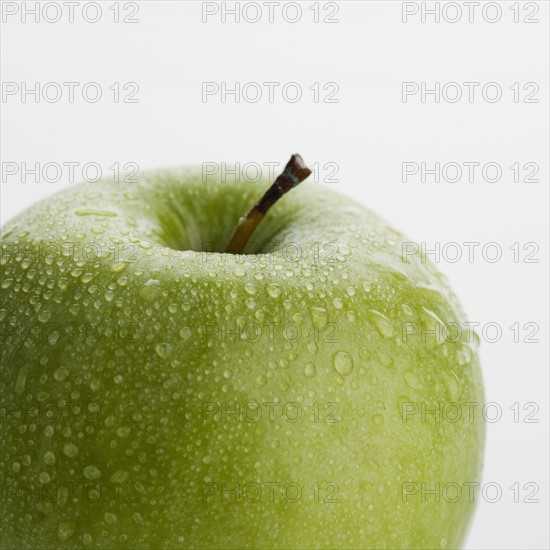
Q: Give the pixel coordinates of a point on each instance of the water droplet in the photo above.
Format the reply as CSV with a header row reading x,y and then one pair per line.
x,y
250,288
338,303
6,283
273,290
438,326
443,543
261,380
70,450
44,316
185,333
164,350
92,472
137,517
312,347
453,385
310,370
227,374
44,478
118,267
110,518
123,431
119,476
65,530
93,212
150,290
21,379
411,380
343,363
60,374
382,323
464,355
364,353
49,458
318,317
377,420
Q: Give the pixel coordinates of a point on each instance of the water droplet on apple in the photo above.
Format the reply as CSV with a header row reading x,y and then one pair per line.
x,y
118,267
273,290
411,380
312,347
92,472
60,374
110,518
382,323
310,370
364,353
318,317
150,290
453,385
261,380
70,450
99,213
164,350
44,478
44,316
434,323
123,431
185,333
21,379
6,283
377,420
138,518
119,476
343,363
49,458
464,355
65,530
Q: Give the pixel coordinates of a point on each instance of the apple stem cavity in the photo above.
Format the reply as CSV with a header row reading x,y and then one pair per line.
x,y
295,172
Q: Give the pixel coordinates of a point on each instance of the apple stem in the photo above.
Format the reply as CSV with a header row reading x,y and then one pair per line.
x,y
294,173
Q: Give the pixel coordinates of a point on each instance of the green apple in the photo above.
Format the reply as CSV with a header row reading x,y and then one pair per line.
x,y
160,393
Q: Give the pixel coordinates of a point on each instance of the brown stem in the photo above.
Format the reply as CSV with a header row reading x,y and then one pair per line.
x,y
294,173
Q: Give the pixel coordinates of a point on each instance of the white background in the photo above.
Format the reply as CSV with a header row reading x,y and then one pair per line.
x,y
369,133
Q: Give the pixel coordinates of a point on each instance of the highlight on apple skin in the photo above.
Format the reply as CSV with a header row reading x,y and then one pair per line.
x,y
158,392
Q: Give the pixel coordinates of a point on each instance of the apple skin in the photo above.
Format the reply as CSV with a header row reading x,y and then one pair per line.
x,y
118,363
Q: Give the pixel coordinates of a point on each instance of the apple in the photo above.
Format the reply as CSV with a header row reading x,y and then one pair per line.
x,y
159,392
